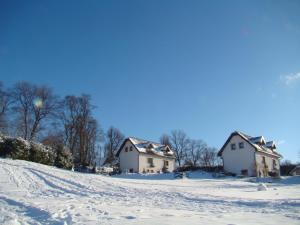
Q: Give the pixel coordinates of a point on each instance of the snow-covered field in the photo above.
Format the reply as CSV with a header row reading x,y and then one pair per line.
x,y
31,193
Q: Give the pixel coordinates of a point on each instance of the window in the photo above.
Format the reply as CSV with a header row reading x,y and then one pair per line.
x,y
126,149
241,145
131,148
264,160
130,170
244,172
233,146
166,163
150,162
274,164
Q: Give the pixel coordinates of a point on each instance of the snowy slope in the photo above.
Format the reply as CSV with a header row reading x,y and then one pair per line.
x,y
31,193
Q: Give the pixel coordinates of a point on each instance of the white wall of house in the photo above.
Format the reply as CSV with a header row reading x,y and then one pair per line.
x,y
269,162
239,159
158,163
129,160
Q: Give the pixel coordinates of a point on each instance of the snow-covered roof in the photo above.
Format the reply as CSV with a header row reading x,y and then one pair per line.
x,y
149,147
257,140
258,143
270,144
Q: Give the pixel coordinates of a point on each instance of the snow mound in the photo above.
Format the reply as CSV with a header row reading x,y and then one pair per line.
x,y
262,187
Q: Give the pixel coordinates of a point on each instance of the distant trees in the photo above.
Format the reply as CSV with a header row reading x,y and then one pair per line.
x,y
114,139
23,97
195,151
5,100
190,152
209,157
179,142
81,129
165,140
286,167
32,105
66,124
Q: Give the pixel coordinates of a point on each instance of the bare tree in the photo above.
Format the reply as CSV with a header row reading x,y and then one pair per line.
x,y
23,95
53,139
165,140
5,100
45,105
179,142
209,157
100,154
114,139
286,162
81,130
68,117
195,150
92,134
33,105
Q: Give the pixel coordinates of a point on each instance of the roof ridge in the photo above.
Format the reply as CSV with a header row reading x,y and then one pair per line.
x,y
140,139
245,135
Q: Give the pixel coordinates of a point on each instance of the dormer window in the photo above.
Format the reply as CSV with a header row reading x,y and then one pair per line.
x,y
150,146
167,149
130,148
126,149
233,146
241,145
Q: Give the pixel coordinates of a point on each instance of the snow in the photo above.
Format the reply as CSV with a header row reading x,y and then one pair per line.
x,y
262,187
255,141
32,193
156,148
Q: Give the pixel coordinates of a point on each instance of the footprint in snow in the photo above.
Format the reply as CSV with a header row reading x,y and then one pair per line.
x,y
169,215
130,217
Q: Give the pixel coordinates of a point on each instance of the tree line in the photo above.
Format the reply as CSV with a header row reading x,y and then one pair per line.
x,y
190,152
36,113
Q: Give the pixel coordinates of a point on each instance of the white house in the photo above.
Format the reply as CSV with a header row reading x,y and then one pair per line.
x,y
251,156
141,156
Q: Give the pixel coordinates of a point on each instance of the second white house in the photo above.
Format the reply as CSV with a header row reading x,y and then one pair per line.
x,y
251,156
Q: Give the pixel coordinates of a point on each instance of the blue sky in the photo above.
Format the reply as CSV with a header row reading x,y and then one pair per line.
x,y
207,67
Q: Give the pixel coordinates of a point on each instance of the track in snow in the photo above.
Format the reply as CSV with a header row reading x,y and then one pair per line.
x,y
36,194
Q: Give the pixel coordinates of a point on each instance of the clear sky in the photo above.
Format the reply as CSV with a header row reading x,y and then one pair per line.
x,y
207,67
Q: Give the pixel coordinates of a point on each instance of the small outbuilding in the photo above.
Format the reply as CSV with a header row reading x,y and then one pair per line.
x,y
295,171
